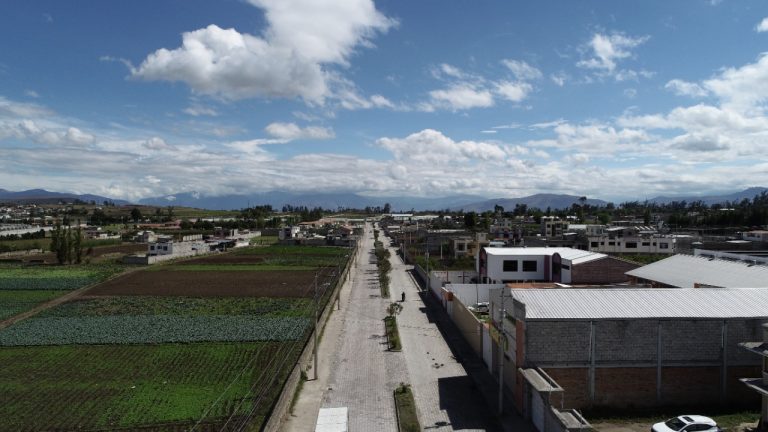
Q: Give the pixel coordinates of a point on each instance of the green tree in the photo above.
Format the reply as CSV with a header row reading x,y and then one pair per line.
x,y
136,214
77,246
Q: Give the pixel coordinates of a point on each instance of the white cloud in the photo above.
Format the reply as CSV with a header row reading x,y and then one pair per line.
x,y
742,89
197,110
302,38
522,70
605,52
32,94
291,131
630,93
559,78
430,145
684,88
762,26
78,137
460,97
156,143
513,91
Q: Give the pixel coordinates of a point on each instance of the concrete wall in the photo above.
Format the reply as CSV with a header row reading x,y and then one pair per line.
x,y
618,363
469,326
496,267
470,294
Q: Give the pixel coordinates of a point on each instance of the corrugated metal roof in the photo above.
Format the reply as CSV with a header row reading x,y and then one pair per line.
x,y
576,256
643,303
686,270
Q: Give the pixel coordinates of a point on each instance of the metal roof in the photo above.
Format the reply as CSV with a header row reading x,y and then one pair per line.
x,y
576,256
643,303
684,271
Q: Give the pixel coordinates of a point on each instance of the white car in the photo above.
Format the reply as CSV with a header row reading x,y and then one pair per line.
x,y
687,423
481,307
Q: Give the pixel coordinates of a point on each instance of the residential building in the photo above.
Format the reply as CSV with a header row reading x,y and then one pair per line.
x,y
563,265
469,246
755,236
552,227
627,240
629,348
688,271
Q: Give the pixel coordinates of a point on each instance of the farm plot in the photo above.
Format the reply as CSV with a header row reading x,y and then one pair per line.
x,y
53,278
13,302
211,284
169,386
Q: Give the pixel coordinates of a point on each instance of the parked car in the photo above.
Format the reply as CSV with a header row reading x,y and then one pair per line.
x,y
687,423
481,307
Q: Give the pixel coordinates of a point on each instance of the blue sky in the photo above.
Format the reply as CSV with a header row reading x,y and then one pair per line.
x,y
612,100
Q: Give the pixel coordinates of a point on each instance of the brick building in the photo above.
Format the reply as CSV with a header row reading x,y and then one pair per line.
x,y
543,264
624,348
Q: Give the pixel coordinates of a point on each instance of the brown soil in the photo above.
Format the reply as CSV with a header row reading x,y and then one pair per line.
x,y
210,284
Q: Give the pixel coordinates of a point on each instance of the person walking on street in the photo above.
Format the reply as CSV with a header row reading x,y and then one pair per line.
x,y
402,297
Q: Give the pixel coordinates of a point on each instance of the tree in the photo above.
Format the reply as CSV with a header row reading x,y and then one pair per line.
x,y
387,208
136,214
77,246
470,219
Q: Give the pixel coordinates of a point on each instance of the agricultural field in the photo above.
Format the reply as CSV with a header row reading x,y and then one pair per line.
x,y
23,288
207,342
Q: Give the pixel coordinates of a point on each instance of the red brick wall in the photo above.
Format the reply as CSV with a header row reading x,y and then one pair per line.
x,y
636,387
603,271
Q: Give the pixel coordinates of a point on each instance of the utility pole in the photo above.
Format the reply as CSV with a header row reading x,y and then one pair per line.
x,y
316,310
501,355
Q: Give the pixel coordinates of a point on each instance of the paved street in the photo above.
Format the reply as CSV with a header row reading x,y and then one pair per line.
x,y
357,371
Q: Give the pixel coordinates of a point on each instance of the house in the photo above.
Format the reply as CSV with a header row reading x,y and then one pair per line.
x,y
469,246
688,271
627,240
552,227
544,264
627,348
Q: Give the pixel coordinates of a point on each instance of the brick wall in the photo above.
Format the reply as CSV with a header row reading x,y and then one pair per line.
x,y
602,271
625,387
687,341
575,383
558,342
625,341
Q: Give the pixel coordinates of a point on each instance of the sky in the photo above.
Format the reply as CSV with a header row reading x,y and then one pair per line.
x,y
501,99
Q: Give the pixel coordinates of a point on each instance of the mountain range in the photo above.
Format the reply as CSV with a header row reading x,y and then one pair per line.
x,y
332,201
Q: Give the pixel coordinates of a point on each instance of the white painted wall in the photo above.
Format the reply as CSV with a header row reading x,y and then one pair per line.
x,y
497,274
469,294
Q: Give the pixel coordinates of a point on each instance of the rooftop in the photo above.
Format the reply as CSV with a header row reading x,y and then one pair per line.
x,y
685,271
643,303
576,256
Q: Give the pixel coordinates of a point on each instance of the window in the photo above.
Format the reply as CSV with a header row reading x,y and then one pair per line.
x,y
510,265
566,267
631,245
611,243
663,246
460,247
593,244
646,243
530,266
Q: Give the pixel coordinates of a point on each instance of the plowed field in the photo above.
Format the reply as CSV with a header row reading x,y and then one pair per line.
x,y
211,284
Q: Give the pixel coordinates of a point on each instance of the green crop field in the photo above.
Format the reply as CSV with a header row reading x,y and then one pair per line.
x,y
54,277
89,387
292,250
13,302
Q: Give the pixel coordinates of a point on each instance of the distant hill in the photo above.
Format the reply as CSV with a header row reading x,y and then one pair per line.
x,y
541,201
42,196
325,200
712,199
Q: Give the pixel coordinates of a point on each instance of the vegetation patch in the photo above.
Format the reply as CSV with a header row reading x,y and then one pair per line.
x,y
407,419
230,267
142,329
384,266
13,302
180,306
393,336
53,278
102,387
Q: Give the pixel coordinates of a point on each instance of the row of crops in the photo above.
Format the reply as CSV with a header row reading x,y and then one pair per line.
x,y
126,329
53,278
17,301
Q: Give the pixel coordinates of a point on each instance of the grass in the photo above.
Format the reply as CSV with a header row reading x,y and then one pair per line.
x,y
407,419
20,245
393,336
292,250
90,387
264,240
726,418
